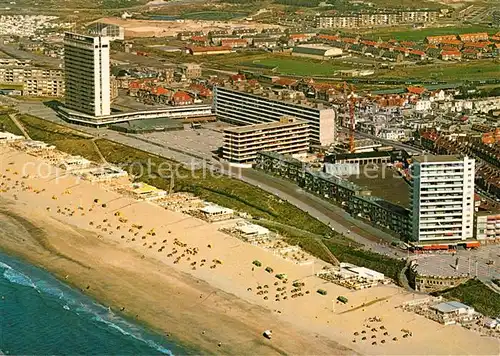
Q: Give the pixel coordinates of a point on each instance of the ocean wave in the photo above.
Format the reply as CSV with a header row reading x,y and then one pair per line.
x,y
5,266
95,311
16,277
150,343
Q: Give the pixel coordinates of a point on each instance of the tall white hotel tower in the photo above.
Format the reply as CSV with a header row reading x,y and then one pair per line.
x,y
86,65
442,196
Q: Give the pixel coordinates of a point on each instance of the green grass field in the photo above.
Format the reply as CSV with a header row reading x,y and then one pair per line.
x,y
475,294
63,138
8,124
420,34
482,69
295,65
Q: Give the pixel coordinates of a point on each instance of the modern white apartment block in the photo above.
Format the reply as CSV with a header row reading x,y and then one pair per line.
x,y
442,195
246,108
86,64
287,136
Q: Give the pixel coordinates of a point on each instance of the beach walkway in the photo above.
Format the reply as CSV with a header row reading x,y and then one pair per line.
x,y
14,119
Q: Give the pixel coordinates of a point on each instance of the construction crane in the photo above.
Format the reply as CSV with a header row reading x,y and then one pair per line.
x,y
350,107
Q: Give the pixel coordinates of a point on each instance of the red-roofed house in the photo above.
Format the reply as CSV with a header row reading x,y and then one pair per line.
x,y
199,40
416,90
235,43
454,43
474,37
201,90
349,40
299,37
236,78
407,44
417,55
484,46
182,98
369,43
471,53
285,82
439,39
451,55
328,37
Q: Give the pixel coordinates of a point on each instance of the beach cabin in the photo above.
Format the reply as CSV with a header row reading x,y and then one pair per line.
x,y
212,213
252,232
75,163
147,192
6,137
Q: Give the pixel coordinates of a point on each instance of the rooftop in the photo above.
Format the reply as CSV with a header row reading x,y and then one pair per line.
x,y
438,158
449,307
384,183
267,125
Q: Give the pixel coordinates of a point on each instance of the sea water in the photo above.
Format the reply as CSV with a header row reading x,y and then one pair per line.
x,y
41,315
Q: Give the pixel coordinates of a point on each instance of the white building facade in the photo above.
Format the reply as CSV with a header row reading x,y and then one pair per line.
x,y
288,136
86,64
442,195
242,108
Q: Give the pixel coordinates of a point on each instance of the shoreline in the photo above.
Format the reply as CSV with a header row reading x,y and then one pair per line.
x,y
44,252
182,276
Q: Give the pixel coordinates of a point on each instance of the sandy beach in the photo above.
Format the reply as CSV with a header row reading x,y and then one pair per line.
x,y
182,276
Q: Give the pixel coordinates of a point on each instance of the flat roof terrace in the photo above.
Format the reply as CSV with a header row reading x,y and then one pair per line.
x,y
384,182
438,158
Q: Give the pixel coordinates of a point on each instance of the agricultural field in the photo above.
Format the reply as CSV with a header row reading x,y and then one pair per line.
x,y
451,71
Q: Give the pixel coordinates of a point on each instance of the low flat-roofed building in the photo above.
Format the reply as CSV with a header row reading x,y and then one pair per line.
x,y
316,52
147,192
102,174
252,231
214,213
9,137
449,313
75,163
288,135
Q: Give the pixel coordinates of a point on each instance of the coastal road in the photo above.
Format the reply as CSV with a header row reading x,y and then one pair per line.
x,y
340,221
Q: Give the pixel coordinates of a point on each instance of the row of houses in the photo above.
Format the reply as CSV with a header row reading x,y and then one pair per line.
x,y
399,51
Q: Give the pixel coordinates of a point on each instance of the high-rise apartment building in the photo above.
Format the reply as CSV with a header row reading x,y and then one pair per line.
x,y
243,107
86,64
287,136
442,195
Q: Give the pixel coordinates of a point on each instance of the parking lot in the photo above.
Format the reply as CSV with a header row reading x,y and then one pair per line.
x,y
483,263
201,142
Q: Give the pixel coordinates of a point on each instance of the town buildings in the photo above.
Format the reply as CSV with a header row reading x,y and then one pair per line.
x,y
381,18
34,81
86,64
242,106
287,136
442,197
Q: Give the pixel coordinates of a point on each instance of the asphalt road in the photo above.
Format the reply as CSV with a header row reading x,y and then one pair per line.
x,y
340,221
